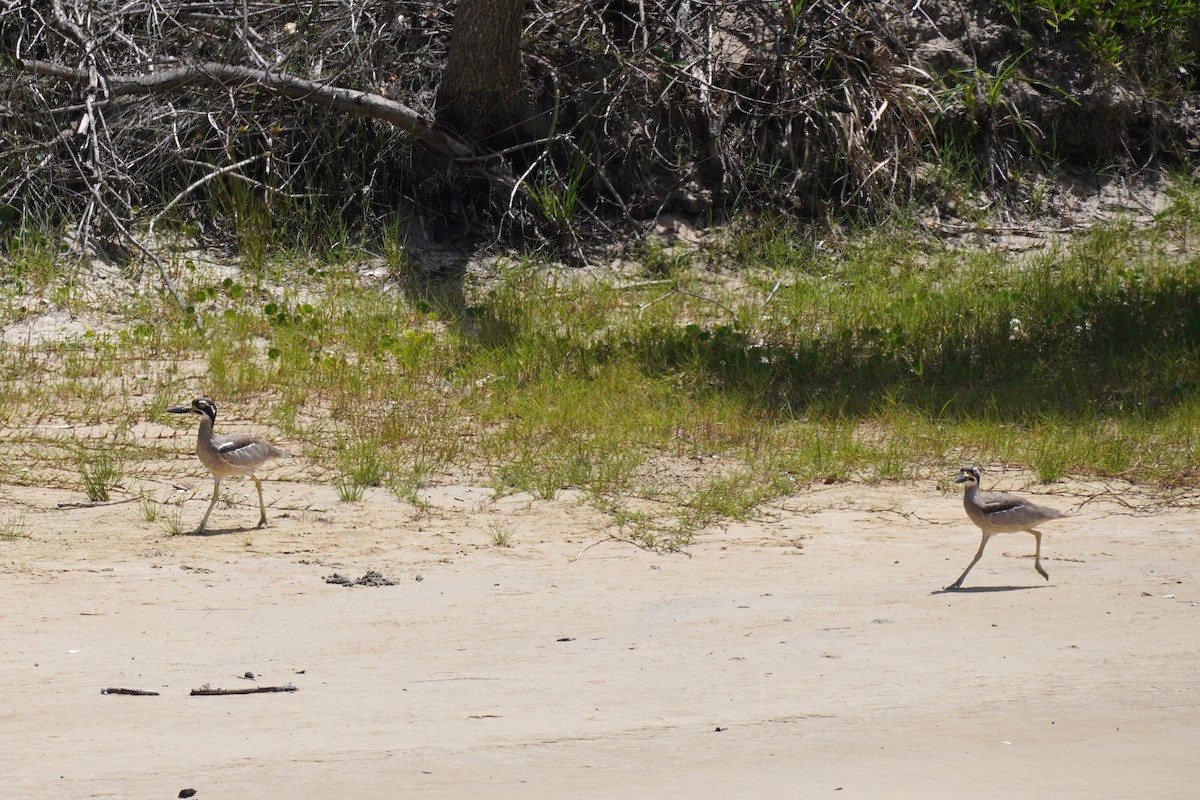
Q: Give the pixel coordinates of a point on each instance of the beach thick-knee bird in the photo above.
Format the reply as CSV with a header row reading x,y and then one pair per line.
x,y
995,512
228,455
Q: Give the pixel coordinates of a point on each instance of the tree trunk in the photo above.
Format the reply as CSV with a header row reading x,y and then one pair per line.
x,y
484,93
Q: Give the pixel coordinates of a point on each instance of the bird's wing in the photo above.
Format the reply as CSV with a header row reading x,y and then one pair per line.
x,y
240,450
998,503
1008,509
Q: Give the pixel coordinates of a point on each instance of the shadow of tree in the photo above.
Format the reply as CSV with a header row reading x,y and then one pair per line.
x,y
1138,353
439,287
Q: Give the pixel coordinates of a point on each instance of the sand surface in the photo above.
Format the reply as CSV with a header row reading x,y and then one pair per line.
x,y
807,653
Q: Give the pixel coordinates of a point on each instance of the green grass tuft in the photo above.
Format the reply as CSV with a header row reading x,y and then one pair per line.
x,y
13,526
100,471
501,533
348,490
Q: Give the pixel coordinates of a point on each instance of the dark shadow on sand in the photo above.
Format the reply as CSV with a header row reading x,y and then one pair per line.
x,y
988,589
221,531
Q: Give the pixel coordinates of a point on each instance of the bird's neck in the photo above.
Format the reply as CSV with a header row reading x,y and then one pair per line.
x,y
206,427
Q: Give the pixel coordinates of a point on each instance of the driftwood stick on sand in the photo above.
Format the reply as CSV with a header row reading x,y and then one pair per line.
x,y
204,691
96,503
120,690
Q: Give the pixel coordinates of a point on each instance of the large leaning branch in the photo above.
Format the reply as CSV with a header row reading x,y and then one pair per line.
x,y
214,74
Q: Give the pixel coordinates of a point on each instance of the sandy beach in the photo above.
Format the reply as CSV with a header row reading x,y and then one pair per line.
x,y
809,652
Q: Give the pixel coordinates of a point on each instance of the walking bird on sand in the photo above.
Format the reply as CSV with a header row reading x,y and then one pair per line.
x,y
995,512
228,455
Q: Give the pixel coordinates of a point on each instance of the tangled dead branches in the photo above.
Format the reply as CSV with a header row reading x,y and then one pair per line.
x,y
216,108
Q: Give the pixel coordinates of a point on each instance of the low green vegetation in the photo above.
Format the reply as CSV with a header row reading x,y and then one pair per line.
x,y
13,526
100,470
669,398
348,490
149,508
982,135
171,519
1112,29
501,533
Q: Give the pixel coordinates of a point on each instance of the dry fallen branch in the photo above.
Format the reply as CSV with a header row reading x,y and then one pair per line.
x,y
135,692
216,75
204,691
95,503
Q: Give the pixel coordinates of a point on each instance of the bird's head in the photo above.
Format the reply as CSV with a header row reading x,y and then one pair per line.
x,y
969,476
201,406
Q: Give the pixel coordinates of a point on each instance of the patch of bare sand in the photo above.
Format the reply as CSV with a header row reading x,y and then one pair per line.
x,y
801,654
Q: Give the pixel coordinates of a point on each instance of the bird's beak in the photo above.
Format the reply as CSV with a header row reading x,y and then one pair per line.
x,y
960,479
180,410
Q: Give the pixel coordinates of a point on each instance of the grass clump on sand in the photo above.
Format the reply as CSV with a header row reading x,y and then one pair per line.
x,y
13,526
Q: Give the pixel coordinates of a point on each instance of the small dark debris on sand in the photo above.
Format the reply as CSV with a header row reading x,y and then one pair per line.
x,y
372,578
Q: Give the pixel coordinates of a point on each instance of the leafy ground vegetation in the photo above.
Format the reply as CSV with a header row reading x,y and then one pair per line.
x,y
668,392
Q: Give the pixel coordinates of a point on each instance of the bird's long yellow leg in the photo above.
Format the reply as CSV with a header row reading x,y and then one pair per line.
x,y
1037,555
978,555
211,503
262,507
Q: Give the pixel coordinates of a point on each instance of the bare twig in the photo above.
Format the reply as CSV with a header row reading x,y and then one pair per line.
x,y
95,503
216,173
162,269
204,691
685,293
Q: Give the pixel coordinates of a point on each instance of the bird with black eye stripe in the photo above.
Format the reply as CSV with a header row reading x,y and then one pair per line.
x,y
228,455
996,512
